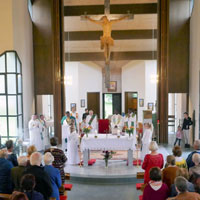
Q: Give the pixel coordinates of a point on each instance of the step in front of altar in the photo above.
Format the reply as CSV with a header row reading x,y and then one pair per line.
x,y
117,172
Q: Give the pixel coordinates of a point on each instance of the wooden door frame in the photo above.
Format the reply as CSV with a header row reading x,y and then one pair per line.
x,y
125,100
99,102
103,104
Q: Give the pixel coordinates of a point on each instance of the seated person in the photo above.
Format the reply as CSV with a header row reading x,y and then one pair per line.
x,y
59,157
27,186
18,196
155,189
17,172
11,156
31,149
54,175
180,162
184,173
196,168
196,147
169,173
43,182
5,173
181,188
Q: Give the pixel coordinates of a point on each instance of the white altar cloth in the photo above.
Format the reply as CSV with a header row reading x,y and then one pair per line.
x,y
107,142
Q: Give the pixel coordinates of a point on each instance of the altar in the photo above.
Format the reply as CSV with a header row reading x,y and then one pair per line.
x,y
107,142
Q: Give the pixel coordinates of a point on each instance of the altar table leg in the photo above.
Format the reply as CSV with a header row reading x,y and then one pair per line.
x,y
85,157
130,157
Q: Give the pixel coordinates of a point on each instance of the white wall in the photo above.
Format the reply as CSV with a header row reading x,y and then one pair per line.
x,y
23,44
150,82
86,77
194,64
16,34
136,77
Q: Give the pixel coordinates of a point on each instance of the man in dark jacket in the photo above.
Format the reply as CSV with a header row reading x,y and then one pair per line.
x,y
5,171
43,183
11,156
187,122
189,161
17,172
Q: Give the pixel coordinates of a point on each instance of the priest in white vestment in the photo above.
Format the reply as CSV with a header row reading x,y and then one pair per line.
x,y
76,116
72,145
91,120
36,137
44,131
146,140
116,123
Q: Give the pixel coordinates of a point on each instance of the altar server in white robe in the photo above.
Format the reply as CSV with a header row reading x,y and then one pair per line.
x,y
35,133
66,130
130,119
146,140
116,122
91,121
72,145
44,131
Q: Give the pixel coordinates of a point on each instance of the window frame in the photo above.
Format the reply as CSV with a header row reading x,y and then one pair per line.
x,y
17,115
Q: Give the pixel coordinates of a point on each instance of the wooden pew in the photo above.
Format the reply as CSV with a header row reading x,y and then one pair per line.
x,y
5,196
67,176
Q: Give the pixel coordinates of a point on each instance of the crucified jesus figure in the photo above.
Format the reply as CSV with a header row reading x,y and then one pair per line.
x,y
106,40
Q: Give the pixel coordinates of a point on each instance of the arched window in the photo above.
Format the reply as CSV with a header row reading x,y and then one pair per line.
x,y
11,96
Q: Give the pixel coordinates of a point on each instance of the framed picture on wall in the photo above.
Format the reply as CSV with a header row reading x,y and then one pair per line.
x,y
72,105
113,86
82,103
150,106
141,102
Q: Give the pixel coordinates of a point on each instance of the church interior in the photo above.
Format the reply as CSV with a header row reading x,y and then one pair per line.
x,y
99,99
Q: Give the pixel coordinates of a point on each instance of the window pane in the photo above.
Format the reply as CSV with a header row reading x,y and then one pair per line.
x,y
2,64
19,78
12,126
2,105
12,107
20,128
11,81
11,62
3,126
18,66
2,84
19,104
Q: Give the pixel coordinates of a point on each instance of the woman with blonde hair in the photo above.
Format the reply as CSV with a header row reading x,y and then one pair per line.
x,y
154,159
31,149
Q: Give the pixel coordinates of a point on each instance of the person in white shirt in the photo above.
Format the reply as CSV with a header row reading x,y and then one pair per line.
x,y
36,137
76,116
72,145
146,140
91,120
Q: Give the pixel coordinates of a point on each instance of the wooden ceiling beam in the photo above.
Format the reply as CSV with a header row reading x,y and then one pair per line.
x,y
130,55
117,35
150,8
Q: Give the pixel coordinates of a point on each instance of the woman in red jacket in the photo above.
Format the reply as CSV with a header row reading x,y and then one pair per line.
x,y
154,159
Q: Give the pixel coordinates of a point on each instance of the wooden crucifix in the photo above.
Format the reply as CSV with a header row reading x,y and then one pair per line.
x,y
106,22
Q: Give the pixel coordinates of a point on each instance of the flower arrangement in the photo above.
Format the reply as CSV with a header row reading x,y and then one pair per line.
x,y
129,130
107,156
86,130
